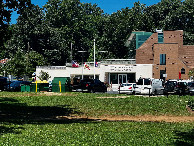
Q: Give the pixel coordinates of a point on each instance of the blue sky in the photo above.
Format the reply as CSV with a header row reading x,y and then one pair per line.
x,y
109,6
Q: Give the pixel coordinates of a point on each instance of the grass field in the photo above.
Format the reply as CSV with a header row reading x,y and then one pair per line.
x,y
30,119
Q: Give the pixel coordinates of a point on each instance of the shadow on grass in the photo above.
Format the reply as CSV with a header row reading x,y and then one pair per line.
x,y
11,111
5,130
184,138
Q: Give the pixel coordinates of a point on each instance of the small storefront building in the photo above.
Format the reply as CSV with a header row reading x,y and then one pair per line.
x,y
111,71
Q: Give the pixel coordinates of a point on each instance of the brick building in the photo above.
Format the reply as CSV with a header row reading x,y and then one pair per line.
x,y
165,50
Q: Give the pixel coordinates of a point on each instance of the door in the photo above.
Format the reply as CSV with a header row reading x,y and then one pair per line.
x,y
122,78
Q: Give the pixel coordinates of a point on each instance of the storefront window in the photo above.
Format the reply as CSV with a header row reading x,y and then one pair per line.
x,y
114,78
131,78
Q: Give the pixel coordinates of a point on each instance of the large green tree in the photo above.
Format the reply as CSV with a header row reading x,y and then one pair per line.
x,y
50,31
74,22
21,63
6,8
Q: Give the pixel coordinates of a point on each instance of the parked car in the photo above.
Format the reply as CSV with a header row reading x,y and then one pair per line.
x,y
3,83
90,85
182,87
16,85
127,88
170,87
149,86
191,88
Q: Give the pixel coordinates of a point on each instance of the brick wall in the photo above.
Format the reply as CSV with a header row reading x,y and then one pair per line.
x,y
187,55
174,37
173,63
144,54
178,56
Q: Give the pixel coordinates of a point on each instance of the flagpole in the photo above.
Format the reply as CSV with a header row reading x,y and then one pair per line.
x,y
82,63
71,51
94,59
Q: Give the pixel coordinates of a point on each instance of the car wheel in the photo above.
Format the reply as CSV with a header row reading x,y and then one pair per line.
x,y
92,91
155,92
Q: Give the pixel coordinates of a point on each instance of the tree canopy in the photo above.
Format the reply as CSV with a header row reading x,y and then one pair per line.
x,y
43,36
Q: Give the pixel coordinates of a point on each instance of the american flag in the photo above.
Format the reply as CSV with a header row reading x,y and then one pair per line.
x,y
75,64
96,64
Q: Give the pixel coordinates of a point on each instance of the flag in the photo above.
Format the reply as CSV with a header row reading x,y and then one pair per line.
x,y
75,64
86,66
96,64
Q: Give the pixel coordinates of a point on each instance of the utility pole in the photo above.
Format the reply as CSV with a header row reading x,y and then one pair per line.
x,y
27,57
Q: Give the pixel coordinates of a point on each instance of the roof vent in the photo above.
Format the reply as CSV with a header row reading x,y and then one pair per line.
x,y
159,30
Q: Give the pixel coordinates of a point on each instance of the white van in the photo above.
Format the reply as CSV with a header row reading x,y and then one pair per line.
x,y
149,86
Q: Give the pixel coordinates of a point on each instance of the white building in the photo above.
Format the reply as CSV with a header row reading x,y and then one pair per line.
x,y
110,71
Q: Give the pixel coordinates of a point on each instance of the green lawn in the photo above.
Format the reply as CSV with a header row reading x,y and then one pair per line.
x,y
97,133
29,119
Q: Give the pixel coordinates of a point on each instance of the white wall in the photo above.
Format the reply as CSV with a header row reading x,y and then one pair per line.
x,y
141,70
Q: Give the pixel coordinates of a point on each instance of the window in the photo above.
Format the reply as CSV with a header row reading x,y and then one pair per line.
x,y
182,71
160,38
162,59
147,82
114,78
140,82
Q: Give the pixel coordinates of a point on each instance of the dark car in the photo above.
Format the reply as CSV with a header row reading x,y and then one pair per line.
x,y
170,87
90,85
182,88
16,85
191,88
3,83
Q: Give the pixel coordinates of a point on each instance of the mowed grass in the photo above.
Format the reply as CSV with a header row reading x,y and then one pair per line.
x,y
97,133
29,119
91,105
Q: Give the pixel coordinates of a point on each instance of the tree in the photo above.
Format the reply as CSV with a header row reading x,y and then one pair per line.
x,y
44,76
78,23
6,8
16,65
49,31
117,28
22,63
191,73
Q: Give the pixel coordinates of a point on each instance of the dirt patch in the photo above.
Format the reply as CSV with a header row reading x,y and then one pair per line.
x,y
113,97
145,118
51,93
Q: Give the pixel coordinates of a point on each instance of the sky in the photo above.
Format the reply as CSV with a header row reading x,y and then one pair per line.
x,y
109,6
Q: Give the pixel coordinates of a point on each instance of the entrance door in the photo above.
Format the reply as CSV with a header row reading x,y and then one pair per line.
x,y
122,78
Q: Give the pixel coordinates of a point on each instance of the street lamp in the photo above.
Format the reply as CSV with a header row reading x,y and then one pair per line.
x,y
82,63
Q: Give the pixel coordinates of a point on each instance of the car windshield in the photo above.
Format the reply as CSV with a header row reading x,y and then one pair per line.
x,y
182,83
171,83
146,82
15,83
87,81
192,85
